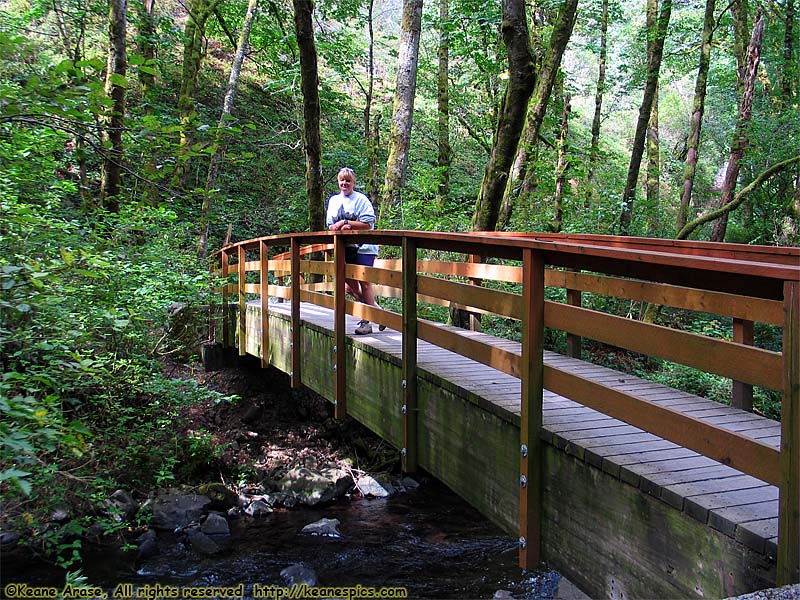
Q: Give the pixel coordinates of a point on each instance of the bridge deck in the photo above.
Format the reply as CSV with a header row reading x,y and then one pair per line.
x,y
738,505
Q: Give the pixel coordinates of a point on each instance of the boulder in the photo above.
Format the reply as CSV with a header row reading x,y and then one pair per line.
x,y
311,487
173,509
323,527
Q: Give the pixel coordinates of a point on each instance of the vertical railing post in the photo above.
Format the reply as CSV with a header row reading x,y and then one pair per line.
x,y
263,289
789,503
408,452
242,304
339,349
530,478
742,396
475,318
574,298
226,327
295,313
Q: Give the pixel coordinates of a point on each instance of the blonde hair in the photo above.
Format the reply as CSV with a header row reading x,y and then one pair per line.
x,y
346,173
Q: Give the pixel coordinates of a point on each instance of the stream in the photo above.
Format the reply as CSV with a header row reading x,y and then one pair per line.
x,y
428,541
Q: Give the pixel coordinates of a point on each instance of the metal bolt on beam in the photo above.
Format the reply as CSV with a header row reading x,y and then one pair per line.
x,y
523,481
404,384
334,367
524,450
523,543
334,349
404,409
403,452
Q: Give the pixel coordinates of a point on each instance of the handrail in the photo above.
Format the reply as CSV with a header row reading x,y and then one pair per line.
x,y
746,283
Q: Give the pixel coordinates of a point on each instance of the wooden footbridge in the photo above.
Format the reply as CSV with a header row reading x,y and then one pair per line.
x,y
628,487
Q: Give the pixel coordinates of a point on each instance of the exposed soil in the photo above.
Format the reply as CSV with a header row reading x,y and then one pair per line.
x,y
271,427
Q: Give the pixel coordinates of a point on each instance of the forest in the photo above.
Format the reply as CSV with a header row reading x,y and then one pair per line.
x,y
135,139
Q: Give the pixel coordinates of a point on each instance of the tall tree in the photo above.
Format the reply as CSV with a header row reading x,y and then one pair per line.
x,y
219,139
789,71
521,80
309,82
562,166
739,142
146,41
698,108
655,50
193,52
114,120
594,147
443,95
652,181
539,99
371,129
403,110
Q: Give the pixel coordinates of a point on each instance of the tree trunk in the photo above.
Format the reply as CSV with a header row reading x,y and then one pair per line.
x,y
594,147
371,132
146,44
698,107
562,166
741,32
653,170
403,110
655,51
443,96
309,79
562,31
115,120
521,80
219,141
740,135
193,53
790,71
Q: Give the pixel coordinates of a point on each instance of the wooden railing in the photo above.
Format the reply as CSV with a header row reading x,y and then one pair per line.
x,y
748,284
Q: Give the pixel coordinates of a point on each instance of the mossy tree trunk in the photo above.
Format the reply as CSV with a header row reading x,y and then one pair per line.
x,y
655,50
652,181
309,82
698,108
594,146
543,86
739,142
406,88
443,97
114,120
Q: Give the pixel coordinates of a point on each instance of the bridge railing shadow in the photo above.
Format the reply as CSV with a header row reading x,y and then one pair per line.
x,y
746,284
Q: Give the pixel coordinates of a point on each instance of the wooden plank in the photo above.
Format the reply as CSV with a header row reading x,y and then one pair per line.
x,y
500,303
409,328
718,303
296,373
789,528
530,498
700,506
745,363
675,494
724,446
742,396
462,343
727,519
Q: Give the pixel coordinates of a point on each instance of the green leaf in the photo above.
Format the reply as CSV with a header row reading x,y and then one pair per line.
x,y
118,80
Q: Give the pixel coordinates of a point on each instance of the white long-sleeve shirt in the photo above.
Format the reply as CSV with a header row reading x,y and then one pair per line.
x,y
355,207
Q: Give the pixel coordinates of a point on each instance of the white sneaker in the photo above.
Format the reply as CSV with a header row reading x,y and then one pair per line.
x,y
364,327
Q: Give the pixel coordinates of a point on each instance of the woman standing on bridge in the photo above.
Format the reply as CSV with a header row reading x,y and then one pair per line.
x,y
351,210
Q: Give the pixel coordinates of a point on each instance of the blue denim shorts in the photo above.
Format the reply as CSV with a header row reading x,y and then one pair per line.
x,y
365,260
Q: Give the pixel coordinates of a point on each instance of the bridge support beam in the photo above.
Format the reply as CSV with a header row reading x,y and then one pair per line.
x,y
789,511
409,411
339,335
295,282
242,302
263,289
530,478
